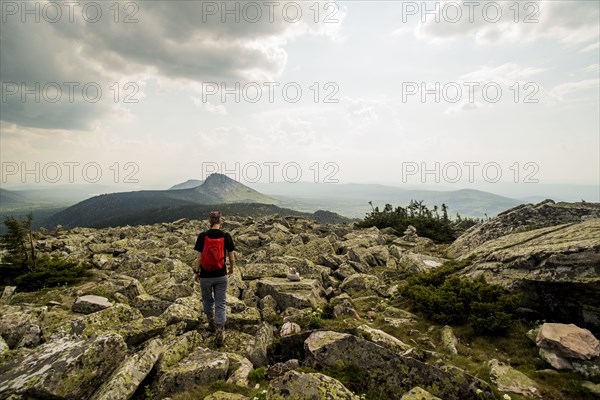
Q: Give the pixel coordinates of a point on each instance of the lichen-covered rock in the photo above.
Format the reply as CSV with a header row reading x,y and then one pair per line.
x,y
281,368
239,342
150,306
556,269
390,373
170,289
64,369
105,320
263,270
313,250
246,321
418,393
308,386
221,395
302,294
128,376
568,341
17,321
449,341
268,309
140,330
509,379
383,339
521,219
180,313
374,256
131,288
359,284
7,294
90,303
176,348
201,367
289,328
239,368
3,346
258,352
31,338
419,262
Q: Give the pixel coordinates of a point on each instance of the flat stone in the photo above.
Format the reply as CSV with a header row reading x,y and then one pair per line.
x,y
90,303
509,379
568,341
308,386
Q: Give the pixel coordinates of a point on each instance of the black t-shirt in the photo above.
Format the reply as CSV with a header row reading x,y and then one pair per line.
x,y
229,247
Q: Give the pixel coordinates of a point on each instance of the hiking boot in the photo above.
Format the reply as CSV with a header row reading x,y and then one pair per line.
x,y
211,323
219,335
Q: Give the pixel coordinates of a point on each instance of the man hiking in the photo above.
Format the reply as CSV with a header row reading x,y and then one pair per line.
x,y
213,246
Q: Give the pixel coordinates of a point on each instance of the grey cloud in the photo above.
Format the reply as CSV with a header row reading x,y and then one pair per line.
x,y
170,40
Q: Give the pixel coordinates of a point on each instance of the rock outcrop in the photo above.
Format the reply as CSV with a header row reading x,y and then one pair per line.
x,y
392,373
550,253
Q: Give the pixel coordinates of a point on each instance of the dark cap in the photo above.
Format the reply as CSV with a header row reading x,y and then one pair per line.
x,y
215,217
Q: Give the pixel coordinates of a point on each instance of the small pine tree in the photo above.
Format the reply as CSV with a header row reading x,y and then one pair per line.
x,y
18,250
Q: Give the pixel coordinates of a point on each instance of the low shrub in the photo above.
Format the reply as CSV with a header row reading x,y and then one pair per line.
x,y
51,272
451,300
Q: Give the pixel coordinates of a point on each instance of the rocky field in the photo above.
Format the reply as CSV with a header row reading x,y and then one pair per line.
x,y
134,329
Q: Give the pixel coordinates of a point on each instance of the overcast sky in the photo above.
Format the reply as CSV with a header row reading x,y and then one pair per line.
x,y
354,91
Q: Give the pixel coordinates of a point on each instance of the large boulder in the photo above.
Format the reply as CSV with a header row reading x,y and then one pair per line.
x,y
390,373
201,367
556,269
128,376
308,386
523,218
568,341
63,369
301,294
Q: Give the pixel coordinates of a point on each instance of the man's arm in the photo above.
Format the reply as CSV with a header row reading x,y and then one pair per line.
x,y
231,262
196,267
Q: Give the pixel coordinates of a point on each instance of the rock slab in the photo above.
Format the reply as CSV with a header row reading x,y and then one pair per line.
x,y
568,341
63,369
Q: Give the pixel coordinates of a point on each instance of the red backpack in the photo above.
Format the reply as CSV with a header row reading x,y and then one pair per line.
x,y
213,254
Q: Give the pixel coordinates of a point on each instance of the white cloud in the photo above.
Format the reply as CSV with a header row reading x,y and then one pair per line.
x,y
218,109
570,22
592,47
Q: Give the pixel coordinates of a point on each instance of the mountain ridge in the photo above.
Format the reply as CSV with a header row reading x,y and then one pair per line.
x,y
95,211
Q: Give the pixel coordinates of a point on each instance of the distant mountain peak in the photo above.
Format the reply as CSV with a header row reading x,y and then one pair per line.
x,y
189,184
219,179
